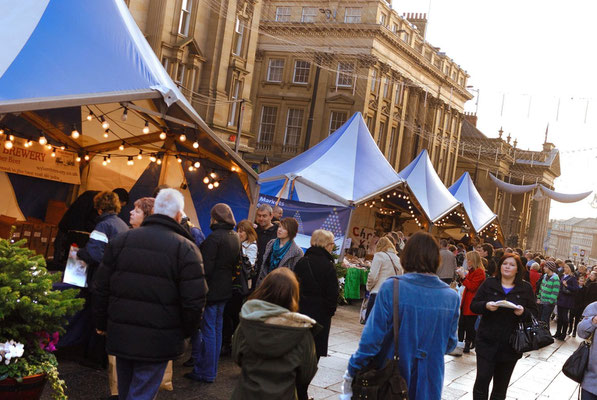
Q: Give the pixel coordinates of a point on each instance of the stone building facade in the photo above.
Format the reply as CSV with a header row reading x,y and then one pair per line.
x,y
574,239
208,48
524,217
319,62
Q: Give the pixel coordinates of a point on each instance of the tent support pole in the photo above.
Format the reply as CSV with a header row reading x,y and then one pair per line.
x,y
281,191
343,249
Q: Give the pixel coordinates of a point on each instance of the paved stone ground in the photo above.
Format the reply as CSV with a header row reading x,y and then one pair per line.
x,y
537,376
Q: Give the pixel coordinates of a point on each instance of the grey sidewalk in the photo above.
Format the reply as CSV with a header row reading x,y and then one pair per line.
x,y
537,376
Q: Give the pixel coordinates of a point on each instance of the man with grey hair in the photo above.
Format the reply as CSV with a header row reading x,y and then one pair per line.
x,y
277,214
266,231
148,295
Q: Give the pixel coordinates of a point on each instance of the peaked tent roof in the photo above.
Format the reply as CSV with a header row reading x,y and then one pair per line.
x,y
477,210
66,53
347,167
435,199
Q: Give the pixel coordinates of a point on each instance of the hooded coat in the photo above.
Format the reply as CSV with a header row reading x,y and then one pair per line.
x,y
275,350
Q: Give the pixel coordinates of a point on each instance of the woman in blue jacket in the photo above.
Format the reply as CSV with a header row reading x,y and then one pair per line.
x,y
428,312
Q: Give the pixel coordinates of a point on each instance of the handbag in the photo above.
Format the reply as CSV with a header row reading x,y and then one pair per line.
x,y
576,365
533,336
385,383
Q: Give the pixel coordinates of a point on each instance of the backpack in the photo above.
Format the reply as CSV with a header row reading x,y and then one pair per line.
x,y
242,275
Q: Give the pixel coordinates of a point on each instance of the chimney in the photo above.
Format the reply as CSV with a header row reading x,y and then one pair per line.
x,y
417,19
471,118
548,146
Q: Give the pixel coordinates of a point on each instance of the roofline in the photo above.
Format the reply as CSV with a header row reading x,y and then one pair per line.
x,y
45,103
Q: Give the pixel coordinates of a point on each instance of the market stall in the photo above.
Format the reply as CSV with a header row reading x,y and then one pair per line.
x,y
86,105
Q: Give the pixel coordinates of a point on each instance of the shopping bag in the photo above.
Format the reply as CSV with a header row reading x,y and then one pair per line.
x,y
520,340
75,272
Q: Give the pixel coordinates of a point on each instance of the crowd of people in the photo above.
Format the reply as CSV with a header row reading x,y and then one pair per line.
x,y
249,291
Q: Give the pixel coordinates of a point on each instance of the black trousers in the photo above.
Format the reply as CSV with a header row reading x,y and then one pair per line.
x,y
563,319
466,328
231,317
302,390
500,372
370,304
575,318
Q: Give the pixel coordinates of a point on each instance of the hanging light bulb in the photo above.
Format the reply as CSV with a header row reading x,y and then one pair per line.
x,y
109,160
86,157
106,133
1,131
49,146
146,127
105,162
163,135
206,180
213,175
179,159
26,144
53,152
63,147
152,158
42,140
191,168
105,123
130,161
75,133
78,159
159,161
90,115
8,144
233,168
216,184
195,145
124,114
182,137
210,186
197,164
140,155
121,147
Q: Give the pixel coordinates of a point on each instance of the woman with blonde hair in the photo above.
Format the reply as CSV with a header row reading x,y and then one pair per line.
x,y
385,264
471,282
273,343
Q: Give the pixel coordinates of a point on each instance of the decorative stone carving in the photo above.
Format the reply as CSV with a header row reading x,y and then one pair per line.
x,y
373,104
367,61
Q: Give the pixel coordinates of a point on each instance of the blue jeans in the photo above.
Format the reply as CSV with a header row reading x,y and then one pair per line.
x,y
139,380
586,395
546,310
207,343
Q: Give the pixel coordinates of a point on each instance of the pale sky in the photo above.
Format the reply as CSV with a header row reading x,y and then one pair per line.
x,y
536,53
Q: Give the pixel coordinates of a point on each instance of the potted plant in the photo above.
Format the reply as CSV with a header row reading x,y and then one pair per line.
x,y
32,316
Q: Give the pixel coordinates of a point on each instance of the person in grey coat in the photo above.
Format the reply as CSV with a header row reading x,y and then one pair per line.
x,y
282,251
586,327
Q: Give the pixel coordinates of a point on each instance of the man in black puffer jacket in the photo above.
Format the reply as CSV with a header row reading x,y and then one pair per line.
x,y
221,250
149,294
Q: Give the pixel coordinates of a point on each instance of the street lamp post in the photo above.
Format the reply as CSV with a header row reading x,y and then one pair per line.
x,y
472,89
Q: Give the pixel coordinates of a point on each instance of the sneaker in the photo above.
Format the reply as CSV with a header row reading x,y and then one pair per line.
x,y
467,348
457,352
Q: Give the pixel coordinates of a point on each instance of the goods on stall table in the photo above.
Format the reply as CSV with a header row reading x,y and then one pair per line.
x,y
357,272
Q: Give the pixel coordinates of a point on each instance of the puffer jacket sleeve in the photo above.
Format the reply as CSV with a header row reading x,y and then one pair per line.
x,y
308,366
93,252
192,288
101,284
209,251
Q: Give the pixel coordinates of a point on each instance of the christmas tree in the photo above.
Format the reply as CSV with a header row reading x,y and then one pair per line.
x,y
297,216
332,224
31,315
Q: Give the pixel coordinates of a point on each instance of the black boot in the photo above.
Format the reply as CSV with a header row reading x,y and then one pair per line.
x,y
467,347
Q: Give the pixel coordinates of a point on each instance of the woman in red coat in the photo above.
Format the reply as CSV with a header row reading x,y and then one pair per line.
x,y
471,282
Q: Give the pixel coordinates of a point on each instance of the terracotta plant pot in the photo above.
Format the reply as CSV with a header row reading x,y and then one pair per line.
x,y
30,389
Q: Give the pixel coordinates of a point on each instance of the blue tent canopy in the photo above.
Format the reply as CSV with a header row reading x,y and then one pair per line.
x,y
344,169
427,188
477,210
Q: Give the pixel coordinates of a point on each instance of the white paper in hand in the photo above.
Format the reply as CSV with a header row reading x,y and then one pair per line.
x,y
75,272
506,304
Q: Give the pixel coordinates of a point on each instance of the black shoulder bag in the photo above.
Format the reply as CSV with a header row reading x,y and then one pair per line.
x,y
385,383
576,365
